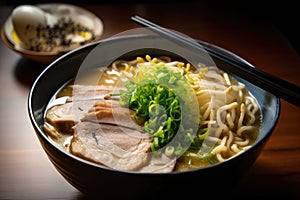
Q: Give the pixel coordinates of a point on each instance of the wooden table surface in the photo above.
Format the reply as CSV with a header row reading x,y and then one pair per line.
x,y
26,172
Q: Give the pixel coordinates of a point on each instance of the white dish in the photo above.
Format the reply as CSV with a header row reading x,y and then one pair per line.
x,y
59,10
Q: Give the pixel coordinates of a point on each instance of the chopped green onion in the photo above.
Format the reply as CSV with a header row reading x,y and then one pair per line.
x,y
163,102
169,151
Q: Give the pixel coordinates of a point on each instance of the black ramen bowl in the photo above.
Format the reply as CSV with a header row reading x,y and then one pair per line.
x,y
93,179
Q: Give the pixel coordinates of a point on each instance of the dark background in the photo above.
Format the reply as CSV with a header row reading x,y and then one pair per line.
x,y
283,14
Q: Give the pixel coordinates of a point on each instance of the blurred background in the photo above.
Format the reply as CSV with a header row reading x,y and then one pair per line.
x,y
282,14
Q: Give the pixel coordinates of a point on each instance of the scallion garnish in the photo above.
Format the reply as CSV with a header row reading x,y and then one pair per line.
x,y
166,106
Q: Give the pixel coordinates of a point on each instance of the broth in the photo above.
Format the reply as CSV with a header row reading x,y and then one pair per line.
x,y
227,121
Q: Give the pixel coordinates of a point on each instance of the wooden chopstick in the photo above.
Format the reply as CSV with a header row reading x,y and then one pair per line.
x,y
275,85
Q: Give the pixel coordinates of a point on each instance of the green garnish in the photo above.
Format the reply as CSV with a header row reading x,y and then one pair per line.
x,y
165,105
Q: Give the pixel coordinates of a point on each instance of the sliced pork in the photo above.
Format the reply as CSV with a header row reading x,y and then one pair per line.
x,y
110,112
103,132
113,146
64,116
89,92
159,164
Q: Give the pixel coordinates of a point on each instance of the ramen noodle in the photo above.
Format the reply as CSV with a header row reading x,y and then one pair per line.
x,y
188,116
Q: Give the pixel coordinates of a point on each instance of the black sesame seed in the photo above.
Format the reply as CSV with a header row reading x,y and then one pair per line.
x,y
56,35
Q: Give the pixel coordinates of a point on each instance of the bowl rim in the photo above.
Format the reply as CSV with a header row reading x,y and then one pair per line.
x,y
89,163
